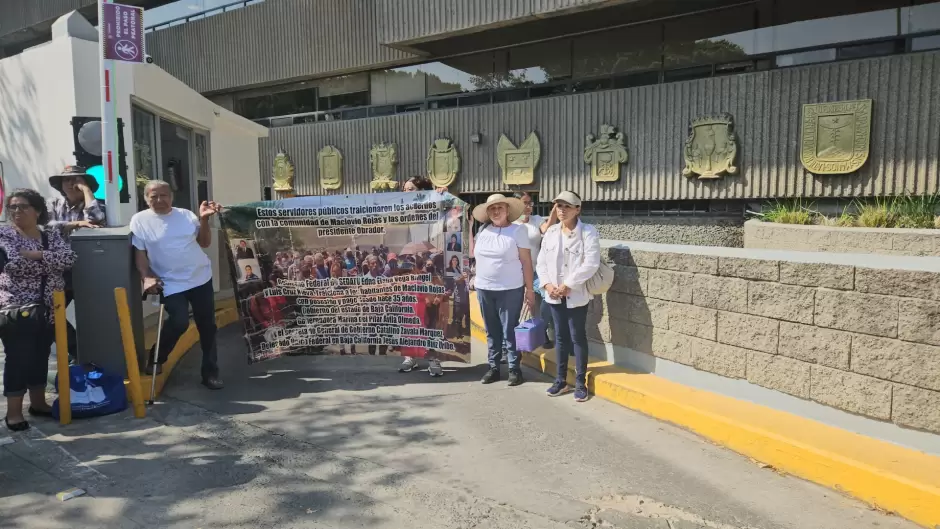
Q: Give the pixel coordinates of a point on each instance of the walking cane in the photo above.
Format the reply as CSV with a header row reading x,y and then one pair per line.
x,y
156,356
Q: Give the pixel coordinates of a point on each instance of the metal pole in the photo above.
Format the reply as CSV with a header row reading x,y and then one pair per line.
x,y
109,127
156,356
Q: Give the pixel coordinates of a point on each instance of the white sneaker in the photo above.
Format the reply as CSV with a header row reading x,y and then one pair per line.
x,y
435,369
407,365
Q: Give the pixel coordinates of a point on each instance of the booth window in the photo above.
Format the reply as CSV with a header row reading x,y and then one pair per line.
x,y
145,151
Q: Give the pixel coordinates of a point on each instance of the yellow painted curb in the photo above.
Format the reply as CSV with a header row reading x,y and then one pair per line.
x,y
225,315
884,475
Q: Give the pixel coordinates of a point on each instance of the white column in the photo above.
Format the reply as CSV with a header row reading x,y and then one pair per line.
x,y
109,129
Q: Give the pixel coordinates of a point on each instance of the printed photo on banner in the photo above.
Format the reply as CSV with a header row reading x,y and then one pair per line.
x,y
454,242
243,249
454,265
454,221
248,270
353,274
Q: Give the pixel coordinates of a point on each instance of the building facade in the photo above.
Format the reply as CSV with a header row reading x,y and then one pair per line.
x,y
706,97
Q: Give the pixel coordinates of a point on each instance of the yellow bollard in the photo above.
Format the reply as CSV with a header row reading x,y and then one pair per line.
x,y
130,351
62,357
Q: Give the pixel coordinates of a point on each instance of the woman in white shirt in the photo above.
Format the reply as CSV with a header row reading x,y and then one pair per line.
x,y
570,256
504,275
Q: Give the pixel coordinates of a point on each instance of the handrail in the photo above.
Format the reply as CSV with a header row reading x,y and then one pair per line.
x,y
187,18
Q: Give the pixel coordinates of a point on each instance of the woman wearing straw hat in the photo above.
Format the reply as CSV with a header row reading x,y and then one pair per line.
x,y
503,281
570,256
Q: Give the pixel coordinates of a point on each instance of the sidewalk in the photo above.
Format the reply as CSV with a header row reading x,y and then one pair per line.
x,y
349,442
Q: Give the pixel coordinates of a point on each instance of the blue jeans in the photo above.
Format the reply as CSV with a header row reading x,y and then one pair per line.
x,y
570,333
501,309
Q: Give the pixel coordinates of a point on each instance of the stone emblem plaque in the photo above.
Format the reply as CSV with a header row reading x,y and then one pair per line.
x,y
283,174
711,147
835,137
443,162
605,153
384,159
330,161
518,163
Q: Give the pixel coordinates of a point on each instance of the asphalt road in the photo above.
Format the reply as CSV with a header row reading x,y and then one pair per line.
x,y
330,442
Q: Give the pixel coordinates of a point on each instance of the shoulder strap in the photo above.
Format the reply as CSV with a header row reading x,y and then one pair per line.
x,y
42,281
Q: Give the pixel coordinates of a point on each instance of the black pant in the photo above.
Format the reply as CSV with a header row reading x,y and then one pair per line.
x,y
27,360
202,300
570,333
383,349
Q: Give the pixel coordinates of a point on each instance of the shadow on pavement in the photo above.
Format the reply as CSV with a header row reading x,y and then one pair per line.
x,y
194,449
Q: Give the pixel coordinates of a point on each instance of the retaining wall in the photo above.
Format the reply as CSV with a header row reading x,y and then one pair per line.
x,y
883,241
699,231
860,333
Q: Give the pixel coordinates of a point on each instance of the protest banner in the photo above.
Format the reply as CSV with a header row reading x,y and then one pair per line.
x,y
379,274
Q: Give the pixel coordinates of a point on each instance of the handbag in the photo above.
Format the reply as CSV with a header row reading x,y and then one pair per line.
x,y
530,334
29,317
602,279
93,392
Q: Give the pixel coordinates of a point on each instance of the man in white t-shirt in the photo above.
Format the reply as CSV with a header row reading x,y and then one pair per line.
x,y
170,260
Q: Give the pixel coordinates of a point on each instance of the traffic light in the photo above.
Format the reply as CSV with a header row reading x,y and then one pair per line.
x,y
86,133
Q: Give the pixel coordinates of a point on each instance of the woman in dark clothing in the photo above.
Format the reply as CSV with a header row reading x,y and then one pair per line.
x,y
26,261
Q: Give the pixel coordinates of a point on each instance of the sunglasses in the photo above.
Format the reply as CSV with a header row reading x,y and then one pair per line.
x,y
19,207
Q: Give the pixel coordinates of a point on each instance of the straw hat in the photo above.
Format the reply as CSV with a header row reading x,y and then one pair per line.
x,y
514,205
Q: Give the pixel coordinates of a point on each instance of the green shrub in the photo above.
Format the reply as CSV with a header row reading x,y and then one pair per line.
x,y
845,220
881,213
789,212
889,212
916,212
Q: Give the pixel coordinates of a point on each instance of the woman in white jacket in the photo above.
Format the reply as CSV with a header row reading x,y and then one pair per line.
x,y
570,256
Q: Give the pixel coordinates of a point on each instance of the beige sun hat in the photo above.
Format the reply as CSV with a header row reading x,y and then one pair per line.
x,y
515,206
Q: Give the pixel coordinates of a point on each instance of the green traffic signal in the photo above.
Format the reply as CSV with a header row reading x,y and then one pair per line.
x,y
98,173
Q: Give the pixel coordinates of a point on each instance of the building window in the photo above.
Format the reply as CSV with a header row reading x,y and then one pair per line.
x,y
350,100
808,23
723,41
279,104
806,57
874,49
921,18
620,51
535,64
347,91
469,73
925,43
720,36
145,151
399,85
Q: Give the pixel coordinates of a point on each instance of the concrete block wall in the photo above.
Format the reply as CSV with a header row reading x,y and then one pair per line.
x,y
854,332
883,241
